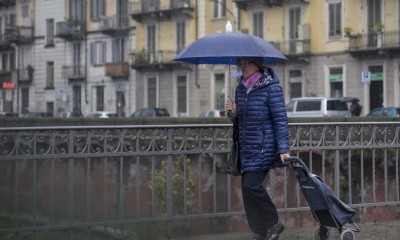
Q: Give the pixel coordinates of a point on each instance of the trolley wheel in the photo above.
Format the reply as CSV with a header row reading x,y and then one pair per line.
x,y
322,233
347,235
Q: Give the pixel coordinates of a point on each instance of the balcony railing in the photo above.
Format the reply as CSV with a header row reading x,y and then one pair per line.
x,y
147,180
20,34
161,9
145,57
373,40
118,69
77,72
71,30
112,24
23,75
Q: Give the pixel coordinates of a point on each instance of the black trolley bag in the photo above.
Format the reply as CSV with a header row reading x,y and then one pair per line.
x,y
325,206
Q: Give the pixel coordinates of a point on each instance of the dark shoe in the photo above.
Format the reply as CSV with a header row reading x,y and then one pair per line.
x,y
257,237
274,231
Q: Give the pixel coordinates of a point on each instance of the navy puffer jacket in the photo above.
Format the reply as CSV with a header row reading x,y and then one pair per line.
x,y
263,123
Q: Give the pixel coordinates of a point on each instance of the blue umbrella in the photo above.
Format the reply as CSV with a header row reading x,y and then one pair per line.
x,y
226,48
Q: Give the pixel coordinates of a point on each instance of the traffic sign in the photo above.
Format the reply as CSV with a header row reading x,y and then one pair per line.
x,y
366,77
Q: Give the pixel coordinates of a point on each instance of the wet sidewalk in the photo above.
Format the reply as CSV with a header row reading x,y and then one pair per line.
x,y
368,231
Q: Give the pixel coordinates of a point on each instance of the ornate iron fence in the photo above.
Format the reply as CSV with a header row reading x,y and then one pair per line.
x,y
147,181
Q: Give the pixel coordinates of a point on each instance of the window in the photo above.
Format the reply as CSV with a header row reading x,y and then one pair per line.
x,y
98,53
77,58
219,9
76,98
97,9
151,37
303,106
152,92
100,98
24,9
335,19
295,80
4,62
120,104
50,32
50,108
374,13
50,75
122,13
294,22
180,35
76,9
376,86
336,105
258,24
219,91
118,49
12,60
336,81
25,99
182,95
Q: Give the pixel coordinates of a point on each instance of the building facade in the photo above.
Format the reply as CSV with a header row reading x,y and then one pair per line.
x,y
98,55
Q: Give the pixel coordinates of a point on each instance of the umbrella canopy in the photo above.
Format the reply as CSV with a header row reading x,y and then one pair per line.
x,y
226,48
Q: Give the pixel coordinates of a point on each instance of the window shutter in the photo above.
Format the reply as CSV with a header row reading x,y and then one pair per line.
x,y
103,53
92,53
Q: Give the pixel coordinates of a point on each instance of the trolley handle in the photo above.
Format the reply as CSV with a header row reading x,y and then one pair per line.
x,y
293,160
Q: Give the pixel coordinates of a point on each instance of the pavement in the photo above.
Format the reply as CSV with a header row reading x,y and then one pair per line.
x,y
368,231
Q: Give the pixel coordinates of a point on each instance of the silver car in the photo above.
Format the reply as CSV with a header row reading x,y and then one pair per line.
x,y
317,107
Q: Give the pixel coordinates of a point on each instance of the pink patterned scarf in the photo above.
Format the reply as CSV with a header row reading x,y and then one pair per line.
x,y
252,79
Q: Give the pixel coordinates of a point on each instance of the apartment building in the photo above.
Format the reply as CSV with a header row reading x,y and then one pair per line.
x,y
324,60
72,55
88,55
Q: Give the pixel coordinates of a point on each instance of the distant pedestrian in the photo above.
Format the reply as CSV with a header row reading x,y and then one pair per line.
x,y
355,108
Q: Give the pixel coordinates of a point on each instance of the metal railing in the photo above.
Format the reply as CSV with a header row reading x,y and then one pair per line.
x,y
169,180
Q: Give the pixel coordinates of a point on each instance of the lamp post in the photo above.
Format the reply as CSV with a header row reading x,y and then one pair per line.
x,y
228,28
235,23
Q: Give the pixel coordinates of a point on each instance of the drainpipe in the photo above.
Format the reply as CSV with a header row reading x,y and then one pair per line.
x,y
86,50
197,35
16,48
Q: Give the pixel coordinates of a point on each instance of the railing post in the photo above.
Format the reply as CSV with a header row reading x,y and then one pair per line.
x,y
170,200
336,167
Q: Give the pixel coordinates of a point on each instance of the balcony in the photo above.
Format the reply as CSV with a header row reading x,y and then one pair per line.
x,y
7,3
70,30
144,10
375,44
118,69
153,60
5,43
23,75
115,25
5,76
245,4
19,34
74,72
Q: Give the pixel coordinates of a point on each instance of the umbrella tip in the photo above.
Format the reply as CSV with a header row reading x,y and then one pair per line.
x,y
228,26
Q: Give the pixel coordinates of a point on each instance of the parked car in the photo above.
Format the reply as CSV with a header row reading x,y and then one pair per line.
x,y
70,115
37,114
102,114
213,113
151,112
317,107
8,114
384,112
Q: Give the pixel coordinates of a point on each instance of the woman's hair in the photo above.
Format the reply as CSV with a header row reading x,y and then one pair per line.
x,y
259,61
